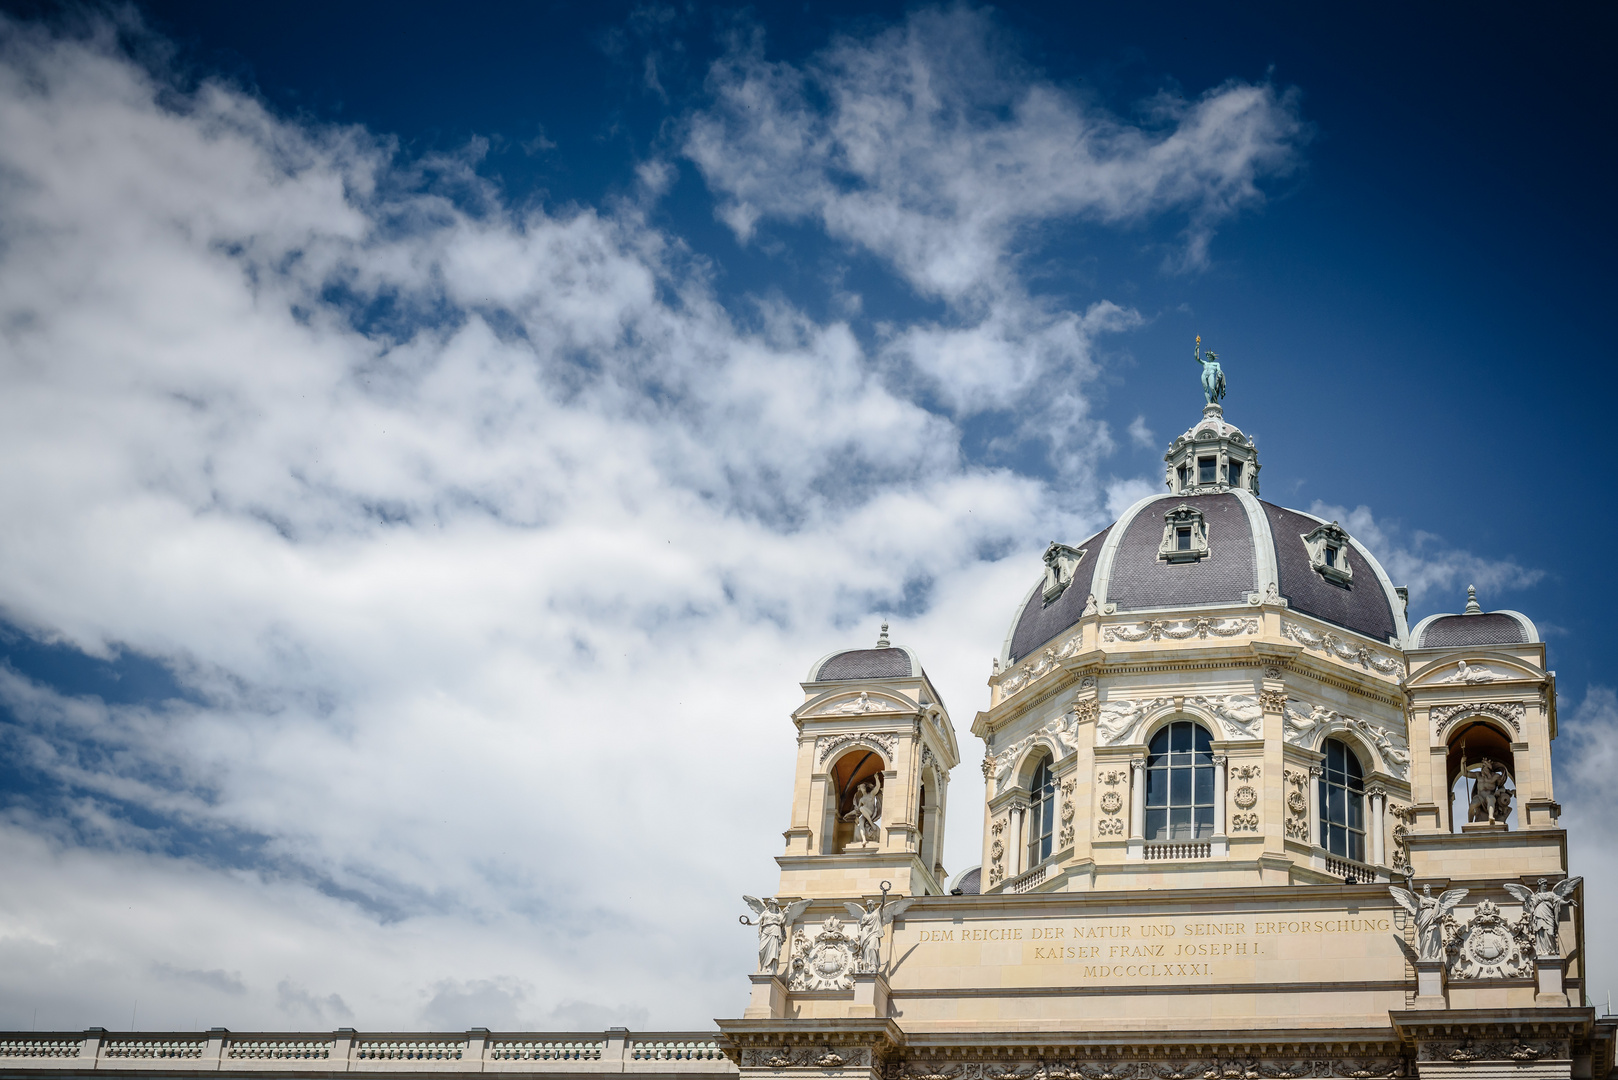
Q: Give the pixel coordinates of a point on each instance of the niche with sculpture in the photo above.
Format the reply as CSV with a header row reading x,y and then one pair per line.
x,y
1482,784
856,782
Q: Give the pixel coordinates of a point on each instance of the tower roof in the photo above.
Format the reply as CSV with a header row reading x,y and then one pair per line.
x,y
1474,626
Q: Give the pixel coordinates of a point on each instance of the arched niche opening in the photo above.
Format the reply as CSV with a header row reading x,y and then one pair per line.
x,y
1180,782
854,776
1477,747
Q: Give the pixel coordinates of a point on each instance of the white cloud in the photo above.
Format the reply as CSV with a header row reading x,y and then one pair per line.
x,y
1141,435
485,545
936,149
1586,758
1436,574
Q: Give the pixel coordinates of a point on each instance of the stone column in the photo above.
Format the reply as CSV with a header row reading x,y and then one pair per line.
x,y
1377,826
1315,773
1019,843
1137,798
1137,809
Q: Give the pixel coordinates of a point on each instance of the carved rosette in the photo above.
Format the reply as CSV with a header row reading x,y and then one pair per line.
x,y
1108,823
1297,820
1065,838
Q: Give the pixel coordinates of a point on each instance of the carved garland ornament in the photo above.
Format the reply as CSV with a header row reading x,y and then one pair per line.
x,y
788,1057
1344,650
1467,1050
1031,672
833,743
1510,712
1158,629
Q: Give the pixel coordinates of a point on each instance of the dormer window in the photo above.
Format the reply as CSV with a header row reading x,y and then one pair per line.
x,y
1185,535
1184,474
1328,553
1207,470
1235,474
1060,562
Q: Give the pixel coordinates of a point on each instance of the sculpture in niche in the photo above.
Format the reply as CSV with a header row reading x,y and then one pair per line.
x,y
1429,913
867,812
773,921
1543,909
873,918
1213,376
1491,799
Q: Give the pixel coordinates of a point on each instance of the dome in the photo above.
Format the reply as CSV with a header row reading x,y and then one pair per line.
x,y
1474,626
885,661
1211,545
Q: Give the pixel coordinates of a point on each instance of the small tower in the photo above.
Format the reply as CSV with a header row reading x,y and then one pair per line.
x,y
1211,457
875,750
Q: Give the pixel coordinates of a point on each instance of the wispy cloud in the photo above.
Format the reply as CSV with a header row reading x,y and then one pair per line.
x,y
1436,573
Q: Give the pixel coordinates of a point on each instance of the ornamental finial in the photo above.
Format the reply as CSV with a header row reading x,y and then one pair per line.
x,y
1213,376
1472,605
882,641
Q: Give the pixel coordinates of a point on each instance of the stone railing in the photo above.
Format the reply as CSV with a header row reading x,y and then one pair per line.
x,y
1197,849
1349,870
1032,879
614,1051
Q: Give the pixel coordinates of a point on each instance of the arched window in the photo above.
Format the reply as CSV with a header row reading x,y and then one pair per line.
x,y
1041,812
1342,802
1180,783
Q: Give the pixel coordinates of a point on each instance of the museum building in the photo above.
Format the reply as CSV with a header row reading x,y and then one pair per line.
x,y
1242,822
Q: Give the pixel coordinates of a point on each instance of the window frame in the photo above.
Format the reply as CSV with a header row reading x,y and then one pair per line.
x,y
1163,767
1041,811
1339,834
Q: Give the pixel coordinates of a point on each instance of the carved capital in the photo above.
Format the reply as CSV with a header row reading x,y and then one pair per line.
x,y
1273,700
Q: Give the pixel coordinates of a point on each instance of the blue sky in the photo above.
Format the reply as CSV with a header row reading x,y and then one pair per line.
x,y
436,441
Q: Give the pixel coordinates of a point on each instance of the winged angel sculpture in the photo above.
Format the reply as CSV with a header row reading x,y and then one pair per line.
x,y
773,921
1429,912
1544,910
873,918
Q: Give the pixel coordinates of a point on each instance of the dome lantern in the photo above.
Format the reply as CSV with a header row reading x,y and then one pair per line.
x,y
1211,457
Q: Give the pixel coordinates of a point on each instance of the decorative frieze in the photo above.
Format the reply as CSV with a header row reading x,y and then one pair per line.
x,y
1297,802
882,742
1510,712
1158,629
1344,650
